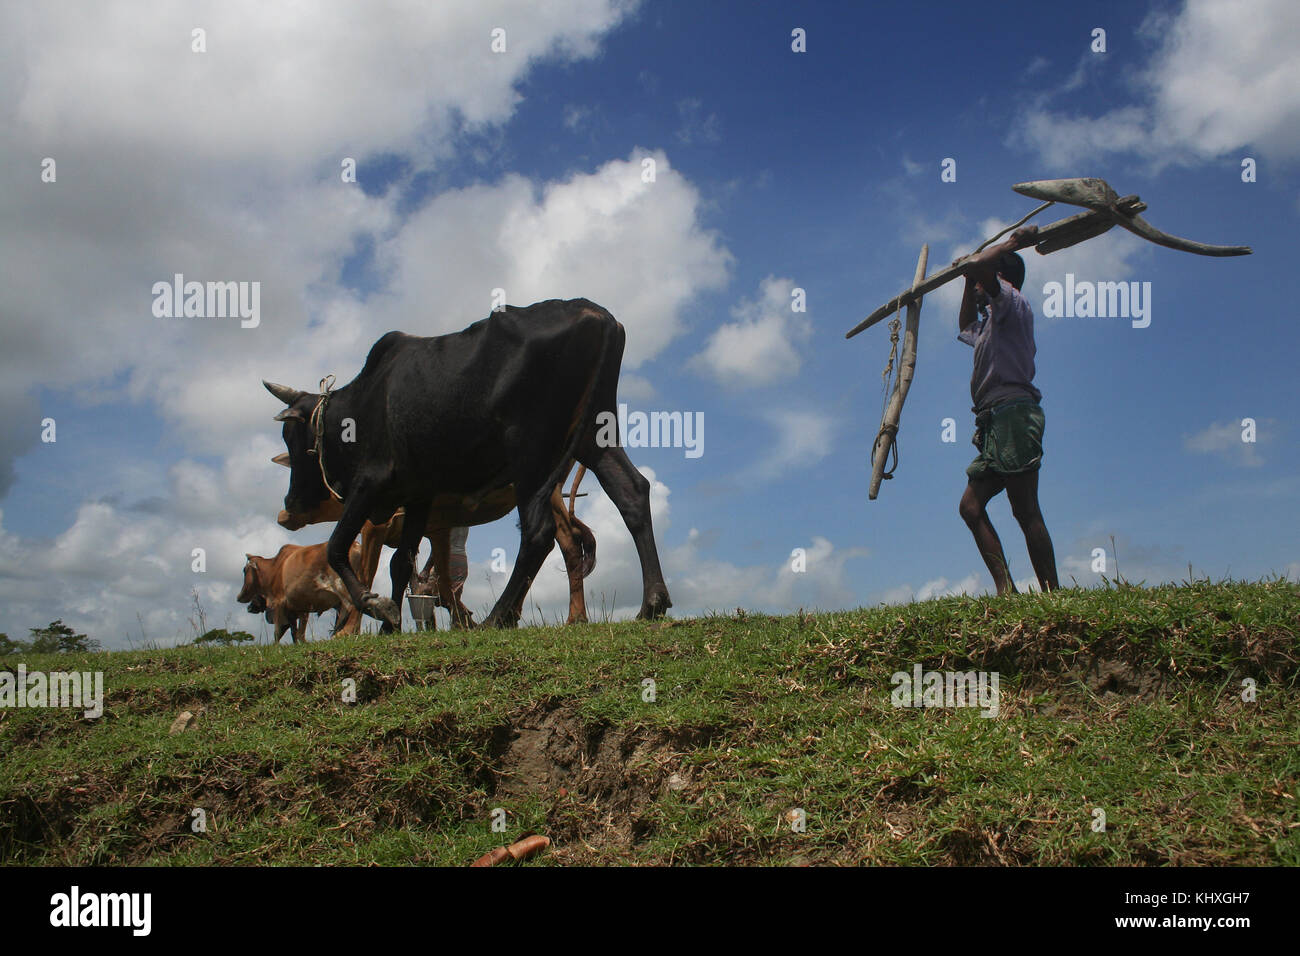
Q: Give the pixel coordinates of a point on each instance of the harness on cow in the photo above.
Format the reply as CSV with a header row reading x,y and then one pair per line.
x,y
318,430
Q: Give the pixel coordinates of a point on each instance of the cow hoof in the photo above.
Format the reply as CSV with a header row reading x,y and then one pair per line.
x,y
383,609
655,605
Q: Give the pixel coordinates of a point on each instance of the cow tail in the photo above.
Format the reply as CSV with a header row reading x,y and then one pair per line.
x,y
588,542
577,480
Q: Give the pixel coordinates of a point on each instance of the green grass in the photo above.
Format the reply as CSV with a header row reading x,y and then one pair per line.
x,y
1127,699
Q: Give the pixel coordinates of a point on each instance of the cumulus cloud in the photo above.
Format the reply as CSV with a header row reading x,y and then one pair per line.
x,y
225,165
697,125
934,588
1227,440
633,246
801,438
762,345
125,574
1222,77
330,80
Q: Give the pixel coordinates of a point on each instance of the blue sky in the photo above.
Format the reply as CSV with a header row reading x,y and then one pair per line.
x,y
776,170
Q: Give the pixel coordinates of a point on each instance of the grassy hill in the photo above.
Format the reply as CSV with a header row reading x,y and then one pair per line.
x,y
1128,700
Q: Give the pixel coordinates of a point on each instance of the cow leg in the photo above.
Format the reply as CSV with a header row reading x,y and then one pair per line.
x,y
566,536
536,538
339,551
630,491
300,628
348,618
372,546
402,562
347,621
282,623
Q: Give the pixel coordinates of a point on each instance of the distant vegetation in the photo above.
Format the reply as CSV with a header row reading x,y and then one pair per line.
x,y
224,638
55,638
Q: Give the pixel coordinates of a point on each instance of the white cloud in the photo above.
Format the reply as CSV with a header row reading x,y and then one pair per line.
x,y
634,247
1225,440
119,569
761,346
322,81
635,388
575,115
1224,76
934,588
802,438
225,165
697,126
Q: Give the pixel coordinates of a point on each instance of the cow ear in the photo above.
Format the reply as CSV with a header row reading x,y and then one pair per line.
x,y
283,392
282,459
290,415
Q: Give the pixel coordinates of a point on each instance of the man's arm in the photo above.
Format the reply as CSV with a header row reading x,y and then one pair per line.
x,y
982,267
966,317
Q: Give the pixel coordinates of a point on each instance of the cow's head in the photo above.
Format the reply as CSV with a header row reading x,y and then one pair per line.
x,y
331,509
306,487
252,593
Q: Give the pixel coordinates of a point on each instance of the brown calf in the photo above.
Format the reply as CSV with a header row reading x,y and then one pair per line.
x,y
296,582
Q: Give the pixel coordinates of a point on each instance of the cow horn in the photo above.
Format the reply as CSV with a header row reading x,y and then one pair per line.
x,y
283,392
282,459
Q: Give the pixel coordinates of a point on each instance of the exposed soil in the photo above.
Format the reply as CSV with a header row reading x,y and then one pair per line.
x,y
599,780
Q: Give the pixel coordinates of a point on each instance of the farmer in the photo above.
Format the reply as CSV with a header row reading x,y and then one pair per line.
x,y
1008,419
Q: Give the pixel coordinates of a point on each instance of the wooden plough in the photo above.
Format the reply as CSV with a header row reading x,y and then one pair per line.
x,y
1105,210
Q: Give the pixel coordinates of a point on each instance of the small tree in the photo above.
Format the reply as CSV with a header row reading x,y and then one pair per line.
x,y
219,635
9,646
58,638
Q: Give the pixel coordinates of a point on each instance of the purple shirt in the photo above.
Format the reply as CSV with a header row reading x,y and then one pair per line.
x,y
1004,351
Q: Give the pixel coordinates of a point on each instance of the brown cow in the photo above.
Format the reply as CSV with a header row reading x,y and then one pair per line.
x,y
577,543
296,582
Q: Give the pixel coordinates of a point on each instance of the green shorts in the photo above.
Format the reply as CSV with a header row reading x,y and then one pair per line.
x,y
1009,438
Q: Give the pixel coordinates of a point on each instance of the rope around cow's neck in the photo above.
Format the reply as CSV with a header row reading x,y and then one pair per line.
x,y
318,429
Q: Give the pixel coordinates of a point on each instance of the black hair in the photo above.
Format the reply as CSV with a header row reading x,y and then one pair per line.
x,y
1012,268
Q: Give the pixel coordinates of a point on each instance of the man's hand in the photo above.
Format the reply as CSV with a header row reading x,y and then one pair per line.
x,y
1024,236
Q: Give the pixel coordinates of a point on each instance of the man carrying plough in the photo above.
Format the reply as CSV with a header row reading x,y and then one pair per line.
x,y
1008,419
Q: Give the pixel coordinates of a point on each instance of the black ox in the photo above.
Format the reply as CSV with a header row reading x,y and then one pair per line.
x,y
511,400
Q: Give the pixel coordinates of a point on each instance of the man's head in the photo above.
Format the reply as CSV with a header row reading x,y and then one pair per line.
x,y
1012,268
